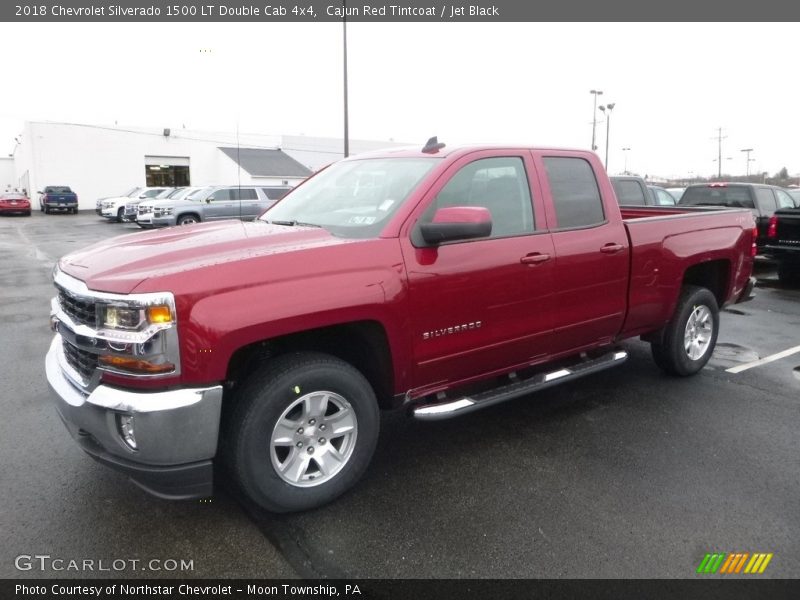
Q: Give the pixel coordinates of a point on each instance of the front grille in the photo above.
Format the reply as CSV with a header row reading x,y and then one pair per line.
x,y
144,209
82,361
80,309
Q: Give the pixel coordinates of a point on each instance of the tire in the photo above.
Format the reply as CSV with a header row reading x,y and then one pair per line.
x,y
293,389
695,324
28,214
46,210
188,219
120,214
788,273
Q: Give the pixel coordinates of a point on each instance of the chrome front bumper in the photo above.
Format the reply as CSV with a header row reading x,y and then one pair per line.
x,y
176,431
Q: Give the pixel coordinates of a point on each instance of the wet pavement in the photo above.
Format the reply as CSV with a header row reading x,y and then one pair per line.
x,y
626,473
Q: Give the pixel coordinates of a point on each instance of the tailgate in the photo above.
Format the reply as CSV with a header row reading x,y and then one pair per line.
x,y
788,227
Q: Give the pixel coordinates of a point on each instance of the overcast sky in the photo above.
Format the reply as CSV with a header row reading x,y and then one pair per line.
x,y
673,84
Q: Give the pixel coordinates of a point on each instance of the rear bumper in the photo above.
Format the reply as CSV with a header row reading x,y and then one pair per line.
x,y
176,431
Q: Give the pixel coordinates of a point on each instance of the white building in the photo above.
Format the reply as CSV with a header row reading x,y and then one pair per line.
x,y
8,180
100,161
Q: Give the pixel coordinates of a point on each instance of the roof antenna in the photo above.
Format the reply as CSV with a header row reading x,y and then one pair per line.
x,y
432,146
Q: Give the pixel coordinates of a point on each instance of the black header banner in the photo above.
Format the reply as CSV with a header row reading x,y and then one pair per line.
x,y
451,11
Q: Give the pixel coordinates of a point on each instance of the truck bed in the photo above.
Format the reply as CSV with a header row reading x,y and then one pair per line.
x,y
663,239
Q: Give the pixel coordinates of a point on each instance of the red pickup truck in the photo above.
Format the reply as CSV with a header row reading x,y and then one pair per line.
x,y
436,280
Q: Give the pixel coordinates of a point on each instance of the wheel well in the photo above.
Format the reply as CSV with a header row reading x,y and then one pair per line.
x,y
188,214
713,275
362,344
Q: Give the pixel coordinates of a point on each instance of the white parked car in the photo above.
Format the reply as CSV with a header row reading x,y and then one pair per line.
x,y
131,193
144,216
114,208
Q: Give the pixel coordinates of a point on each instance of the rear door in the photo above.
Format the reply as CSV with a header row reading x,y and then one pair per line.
x,y
250,202
592,254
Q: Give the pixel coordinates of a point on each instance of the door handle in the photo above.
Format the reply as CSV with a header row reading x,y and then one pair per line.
x,y
611,248
534,258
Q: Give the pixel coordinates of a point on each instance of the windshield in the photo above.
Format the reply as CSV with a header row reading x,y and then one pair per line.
x,y
199,194
352,198
177,193
165,194
734,196
132,192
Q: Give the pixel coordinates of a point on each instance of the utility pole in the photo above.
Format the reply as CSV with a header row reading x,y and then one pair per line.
x,y
719,139
594,93
748,150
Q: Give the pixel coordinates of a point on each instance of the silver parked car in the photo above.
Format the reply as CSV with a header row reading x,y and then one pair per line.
x,y
132,206
244,202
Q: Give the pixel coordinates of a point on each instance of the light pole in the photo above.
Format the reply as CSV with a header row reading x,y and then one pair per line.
x,y
607,111
626,150
748,151
344,57
594,93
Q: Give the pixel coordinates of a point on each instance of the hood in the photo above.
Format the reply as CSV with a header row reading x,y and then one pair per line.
x,y
122,263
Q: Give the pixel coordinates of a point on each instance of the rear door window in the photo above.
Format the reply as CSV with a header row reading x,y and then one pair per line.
x,y
576,195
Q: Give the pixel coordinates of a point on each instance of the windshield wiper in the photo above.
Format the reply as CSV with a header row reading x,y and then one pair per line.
x,y
293,223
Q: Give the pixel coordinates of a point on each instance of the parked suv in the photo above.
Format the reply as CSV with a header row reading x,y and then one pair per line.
x,y
114,208
762,200
131,193
215,203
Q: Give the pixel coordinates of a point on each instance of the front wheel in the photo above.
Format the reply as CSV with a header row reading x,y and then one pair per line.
x,y
691,335
188,219
120,215
302,432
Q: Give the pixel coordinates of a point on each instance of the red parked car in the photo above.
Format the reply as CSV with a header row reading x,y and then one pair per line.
x,y
14,203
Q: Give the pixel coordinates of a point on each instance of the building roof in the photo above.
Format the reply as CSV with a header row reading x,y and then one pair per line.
x,y
263,162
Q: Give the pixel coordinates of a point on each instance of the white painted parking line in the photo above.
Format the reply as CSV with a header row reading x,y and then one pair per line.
x,y
763,361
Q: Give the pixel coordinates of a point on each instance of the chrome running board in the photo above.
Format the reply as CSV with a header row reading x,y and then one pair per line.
x,y
452,408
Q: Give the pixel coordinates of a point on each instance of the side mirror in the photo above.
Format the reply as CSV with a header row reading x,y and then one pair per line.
x,y
208,200
457,223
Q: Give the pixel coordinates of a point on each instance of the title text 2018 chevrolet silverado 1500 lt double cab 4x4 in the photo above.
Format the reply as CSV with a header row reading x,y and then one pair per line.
x,y
437,280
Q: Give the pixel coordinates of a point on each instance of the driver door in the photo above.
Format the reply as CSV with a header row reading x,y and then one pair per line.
x,y
485,304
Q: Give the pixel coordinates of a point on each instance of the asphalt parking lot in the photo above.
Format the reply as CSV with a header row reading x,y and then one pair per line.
x,y
627,473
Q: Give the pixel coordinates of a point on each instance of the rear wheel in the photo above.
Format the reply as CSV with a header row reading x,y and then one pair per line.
x,y
689,338
302,432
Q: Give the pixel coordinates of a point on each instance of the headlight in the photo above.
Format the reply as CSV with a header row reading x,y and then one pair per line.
x,y
134,318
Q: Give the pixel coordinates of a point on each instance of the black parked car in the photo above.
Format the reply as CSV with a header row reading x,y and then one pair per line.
x,y
763,200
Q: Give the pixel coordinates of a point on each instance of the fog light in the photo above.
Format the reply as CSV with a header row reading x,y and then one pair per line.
x,y
125,425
